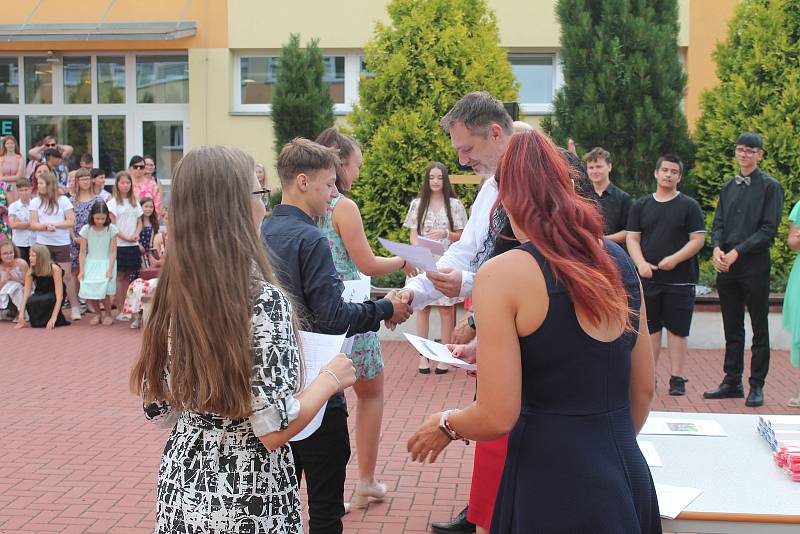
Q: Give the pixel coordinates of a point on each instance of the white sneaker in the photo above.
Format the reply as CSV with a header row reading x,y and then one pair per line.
x,y
76,314
135,324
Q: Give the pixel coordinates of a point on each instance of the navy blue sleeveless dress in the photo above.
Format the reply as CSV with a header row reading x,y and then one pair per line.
x,y
573,465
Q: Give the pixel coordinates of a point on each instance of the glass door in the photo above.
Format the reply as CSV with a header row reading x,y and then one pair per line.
x,y
164,139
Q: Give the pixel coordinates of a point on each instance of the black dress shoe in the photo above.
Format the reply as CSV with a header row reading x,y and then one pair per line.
x,y
457,525
725,391
755,398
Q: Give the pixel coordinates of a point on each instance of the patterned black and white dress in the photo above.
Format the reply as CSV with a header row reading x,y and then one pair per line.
x,y
216,476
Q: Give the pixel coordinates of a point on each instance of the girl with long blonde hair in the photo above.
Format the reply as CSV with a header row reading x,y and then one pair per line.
x,y
225,376
52,217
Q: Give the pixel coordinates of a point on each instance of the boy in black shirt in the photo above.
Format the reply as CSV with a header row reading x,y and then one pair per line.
x,y
745,223
615,204
303,264
665,232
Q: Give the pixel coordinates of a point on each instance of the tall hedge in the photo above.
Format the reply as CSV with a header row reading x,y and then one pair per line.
x,y
301,103
759,71
623,85
431,54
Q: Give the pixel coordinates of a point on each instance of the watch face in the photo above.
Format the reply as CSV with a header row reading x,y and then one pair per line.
x,y
471,321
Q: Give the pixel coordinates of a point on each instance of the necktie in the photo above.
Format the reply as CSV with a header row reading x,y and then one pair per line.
x,y
742,180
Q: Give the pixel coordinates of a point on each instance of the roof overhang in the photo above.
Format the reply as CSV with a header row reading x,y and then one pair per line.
x,y
122,31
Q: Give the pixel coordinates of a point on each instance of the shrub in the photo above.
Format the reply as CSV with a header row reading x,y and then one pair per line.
x,y
759,71
623,85
431,54
301,103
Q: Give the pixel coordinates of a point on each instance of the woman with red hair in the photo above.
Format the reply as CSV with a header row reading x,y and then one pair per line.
x,y
563,368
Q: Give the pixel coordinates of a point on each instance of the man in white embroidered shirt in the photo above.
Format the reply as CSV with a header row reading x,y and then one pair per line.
x,y
479,128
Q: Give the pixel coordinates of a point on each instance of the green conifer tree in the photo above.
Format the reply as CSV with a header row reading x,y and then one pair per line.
x,y
623,85
432,53
759,71
301,102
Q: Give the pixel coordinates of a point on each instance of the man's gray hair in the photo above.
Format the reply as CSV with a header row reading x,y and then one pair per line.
x,y
477,111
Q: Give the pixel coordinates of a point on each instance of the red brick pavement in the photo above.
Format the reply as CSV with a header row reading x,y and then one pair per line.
x,y
79,457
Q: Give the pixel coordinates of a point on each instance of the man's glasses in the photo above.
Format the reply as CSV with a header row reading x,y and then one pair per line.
x,y
51,145
263,193
138,167
746,151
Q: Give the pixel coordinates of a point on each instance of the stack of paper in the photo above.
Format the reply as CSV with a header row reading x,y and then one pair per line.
x,y
780,430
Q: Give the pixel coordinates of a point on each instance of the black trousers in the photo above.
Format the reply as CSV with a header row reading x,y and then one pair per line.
x,y
746,284
323,456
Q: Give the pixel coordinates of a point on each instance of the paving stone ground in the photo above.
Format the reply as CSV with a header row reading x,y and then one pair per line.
x,y
77,455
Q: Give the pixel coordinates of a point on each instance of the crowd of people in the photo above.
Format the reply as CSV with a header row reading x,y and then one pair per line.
x,y
95,249
563,268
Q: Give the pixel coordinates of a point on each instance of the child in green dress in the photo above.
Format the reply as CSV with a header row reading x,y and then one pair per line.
x,y
97,268
791,302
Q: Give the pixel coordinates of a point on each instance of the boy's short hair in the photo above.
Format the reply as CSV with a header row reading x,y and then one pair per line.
x,y
672,158
94,173
23,182
597,153
301,156
52,153
87,158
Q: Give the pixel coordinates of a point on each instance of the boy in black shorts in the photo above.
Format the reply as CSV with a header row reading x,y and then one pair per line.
x,y
666,230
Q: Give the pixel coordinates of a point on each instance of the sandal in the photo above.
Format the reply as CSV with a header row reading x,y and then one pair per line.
x,y
108,321
794,402
95,320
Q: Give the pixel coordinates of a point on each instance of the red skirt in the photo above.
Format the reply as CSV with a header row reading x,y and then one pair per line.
x,y
487,469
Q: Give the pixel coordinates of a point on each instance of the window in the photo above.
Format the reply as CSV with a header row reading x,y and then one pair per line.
x,y
110,80
536,74
38,81
77,80
362,60
162,79
71,130
111,143
9,81
258,75
334,75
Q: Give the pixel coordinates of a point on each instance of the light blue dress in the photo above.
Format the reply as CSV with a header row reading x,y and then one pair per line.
x,y
791,299
95,285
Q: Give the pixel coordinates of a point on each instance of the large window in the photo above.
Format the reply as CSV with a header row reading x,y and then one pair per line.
x,y
111,105
255,77
162,79
9,80
536,76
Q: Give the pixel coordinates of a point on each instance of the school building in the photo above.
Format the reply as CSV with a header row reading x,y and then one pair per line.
x,y
124,77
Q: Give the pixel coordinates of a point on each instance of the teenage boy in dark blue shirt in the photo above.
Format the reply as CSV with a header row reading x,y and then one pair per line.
x,y
304,266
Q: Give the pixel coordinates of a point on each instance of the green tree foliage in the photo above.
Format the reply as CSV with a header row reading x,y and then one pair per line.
x,y
431,54
623,85
301,102
759,90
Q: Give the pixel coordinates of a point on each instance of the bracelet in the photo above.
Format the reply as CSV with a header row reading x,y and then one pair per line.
x,y
338,383
447,428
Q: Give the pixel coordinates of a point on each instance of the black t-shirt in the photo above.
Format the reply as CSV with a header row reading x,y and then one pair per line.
x,y
665,229
615,205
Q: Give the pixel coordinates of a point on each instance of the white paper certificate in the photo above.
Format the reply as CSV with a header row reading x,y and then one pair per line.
x,y
682,427
318,350
650,453
672,500
419,257
438,352
355,291
435,246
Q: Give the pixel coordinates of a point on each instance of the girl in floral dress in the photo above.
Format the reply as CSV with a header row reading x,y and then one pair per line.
x,y
83,198
436,214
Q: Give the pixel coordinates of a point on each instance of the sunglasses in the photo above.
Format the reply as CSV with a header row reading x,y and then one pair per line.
x,y
51,144
263,193
138,167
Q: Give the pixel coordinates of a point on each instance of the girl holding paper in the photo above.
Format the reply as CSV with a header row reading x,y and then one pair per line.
x,y
225,378
436,214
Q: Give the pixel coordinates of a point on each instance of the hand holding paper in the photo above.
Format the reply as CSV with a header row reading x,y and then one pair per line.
x,y
438,352
419,256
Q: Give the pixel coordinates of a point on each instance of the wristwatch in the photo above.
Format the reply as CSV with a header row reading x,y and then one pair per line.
x,y
471,321
447,428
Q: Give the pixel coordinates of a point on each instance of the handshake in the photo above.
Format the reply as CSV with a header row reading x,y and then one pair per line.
x,y
401,300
